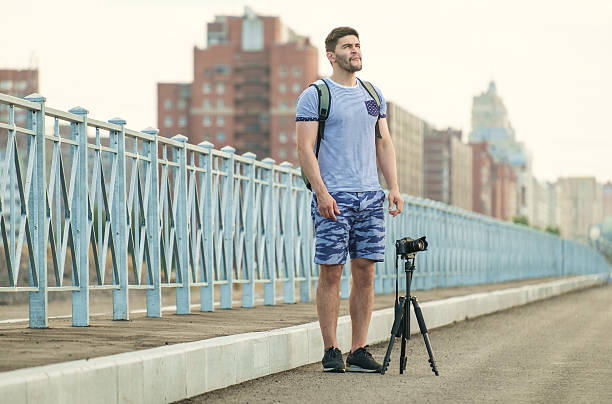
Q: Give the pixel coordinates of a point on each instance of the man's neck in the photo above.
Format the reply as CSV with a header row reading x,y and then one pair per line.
x,y
344,77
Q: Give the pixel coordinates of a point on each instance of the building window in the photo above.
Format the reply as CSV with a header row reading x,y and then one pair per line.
x,y
282,152
295,154
283,104
206,88
282,71
6,85
220,121
168,121
182,121
182,104
296,88
220,88
206,120
220,103
168,103
220,136
206,103
222,69
283,120
20,85
20,118
297,71
282,87
294,137
282,137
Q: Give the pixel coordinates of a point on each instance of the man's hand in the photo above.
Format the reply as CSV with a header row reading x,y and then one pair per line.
x,y
395,199
327,205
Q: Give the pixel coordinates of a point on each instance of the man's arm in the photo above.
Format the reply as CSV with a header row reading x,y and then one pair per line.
x,y
385,156
306,132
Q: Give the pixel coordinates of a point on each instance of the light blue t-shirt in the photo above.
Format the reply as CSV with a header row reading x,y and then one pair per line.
x,y
347,155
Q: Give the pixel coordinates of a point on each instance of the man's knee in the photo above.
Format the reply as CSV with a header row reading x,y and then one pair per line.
x,y
362,271
330,275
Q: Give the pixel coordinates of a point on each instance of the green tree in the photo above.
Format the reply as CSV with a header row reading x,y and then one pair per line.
x,y
521,219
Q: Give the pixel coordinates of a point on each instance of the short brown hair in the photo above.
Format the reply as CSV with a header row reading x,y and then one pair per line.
x,y
332,39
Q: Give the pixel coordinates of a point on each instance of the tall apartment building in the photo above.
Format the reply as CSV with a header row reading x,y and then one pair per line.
x,y
448,168
581,205
245,86
490,123
18,83
407,132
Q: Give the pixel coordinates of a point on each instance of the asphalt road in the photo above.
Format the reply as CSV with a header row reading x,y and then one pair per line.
x,y
554,351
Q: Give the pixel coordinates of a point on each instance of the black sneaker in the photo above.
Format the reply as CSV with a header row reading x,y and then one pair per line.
x,y
332,361
361,361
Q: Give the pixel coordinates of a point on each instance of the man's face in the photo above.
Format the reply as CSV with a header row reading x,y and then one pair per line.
x,y
348,53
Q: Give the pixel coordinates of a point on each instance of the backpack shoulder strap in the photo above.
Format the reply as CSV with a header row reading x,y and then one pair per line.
x,y
324,104
370,89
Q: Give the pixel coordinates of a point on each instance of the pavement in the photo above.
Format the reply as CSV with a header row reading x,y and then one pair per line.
x,y
552,351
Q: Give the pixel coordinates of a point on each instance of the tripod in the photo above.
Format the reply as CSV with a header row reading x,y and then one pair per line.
x,y
401,324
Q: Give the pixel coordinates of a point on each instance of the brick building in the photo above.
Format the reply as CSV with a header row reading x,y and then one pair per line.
x,y
18,83
448,168
246,82
504,198
482,178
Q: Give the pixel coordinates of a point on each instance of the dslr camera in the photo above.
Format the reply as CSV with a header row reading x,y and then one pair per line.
x,y
407,246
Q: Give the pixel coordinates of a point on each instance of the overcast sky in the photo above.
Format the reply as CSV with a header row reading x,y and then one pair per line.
x,y
551,60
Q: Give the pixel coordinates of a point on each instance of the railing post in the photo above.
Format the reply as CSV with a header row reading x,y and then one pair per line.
x,y
228,229
37,216
207,293
248,288
183,294
80,198
154,297
121,302
270,236
289,222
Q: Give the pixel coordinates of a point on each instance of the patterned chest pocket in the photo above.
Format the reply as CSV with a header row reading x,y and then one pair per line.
x,y
372,108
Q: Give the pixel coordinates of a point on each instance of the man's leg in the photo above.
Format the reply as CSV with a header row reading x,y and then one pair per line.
x,y
328,302
361,300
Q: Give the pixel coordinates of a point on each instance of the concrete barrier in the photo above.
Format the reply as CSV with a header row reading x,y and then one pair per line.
x,y
171,373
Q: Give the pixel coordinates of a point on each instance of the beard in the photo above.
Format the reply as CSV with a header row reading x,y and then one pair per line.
x,y
345,63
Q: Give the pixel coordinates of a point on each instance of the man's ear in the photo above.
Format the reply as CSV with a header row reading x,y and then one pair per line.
x,y
331,56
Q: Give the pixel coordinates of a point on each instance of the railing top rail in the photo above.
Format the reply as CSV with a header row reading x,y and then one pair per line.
x,y
56,113
139,135
103,125
20,102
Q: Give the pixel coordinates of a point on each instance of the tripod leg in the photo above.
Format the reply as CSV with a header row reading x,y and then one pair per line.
x,y
395,332
419,315
405,334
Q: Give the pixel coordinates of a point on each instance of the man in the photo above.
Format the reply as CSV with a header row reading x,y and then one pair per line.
x,y
347,206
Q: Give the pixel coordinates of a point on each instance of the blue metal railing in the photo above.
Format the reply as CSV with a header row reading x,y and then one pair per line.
x,y
93,205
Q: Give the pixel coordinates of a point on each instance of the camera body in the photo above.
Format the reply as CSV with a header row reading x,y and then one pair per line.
x,y
407,246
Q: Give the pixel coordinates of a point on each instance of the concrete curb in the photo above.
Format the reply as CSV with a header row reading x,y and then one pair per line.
x,y
175,372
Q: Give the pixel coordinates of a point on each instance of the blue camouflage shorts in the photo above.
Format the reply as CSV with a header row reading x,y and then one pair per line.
x,y
358,230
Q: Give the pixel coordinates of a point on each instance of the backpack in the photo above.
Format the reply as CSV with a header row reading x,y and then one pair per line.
x,y
324,105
